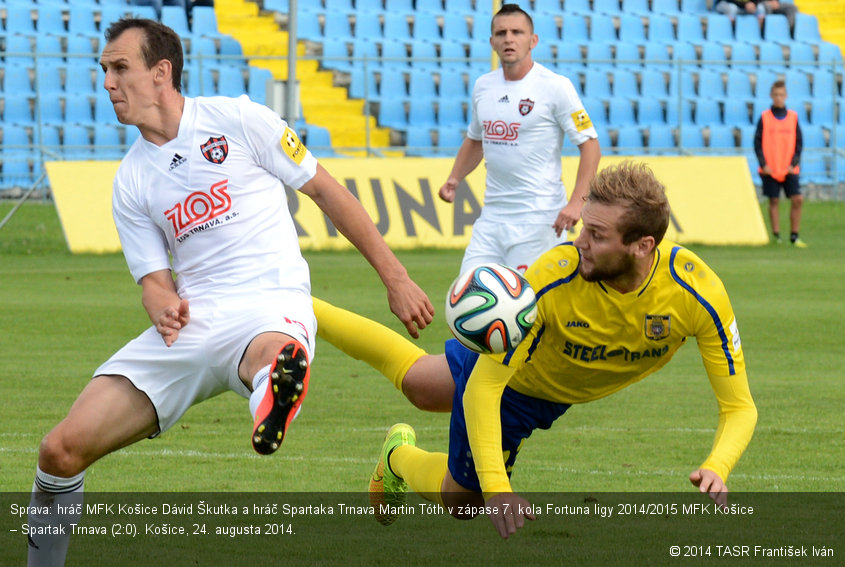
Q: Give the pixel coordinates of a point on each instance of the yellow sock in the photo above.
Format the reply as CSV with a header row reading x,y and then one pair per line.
x,y
423,471
363,339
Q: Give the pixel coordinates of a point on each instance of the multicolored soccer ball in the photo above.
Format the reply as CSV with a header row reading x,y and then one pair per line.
x,y
490,308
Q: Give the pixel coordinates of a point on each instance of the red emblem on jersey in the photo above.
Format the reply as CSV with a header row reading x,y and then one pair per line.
x,y
525,106
215,150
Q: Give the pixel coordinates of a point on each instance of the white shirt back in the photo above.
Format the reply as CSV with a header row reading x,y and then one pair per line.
x,y
214,199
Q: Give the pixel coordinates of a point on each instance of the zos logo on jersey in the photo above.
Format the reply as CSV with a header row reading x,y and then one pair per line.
x,y
199,207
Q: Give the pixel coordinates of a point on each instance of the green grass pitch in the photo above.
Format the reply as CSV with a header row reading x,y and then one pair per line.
x,y
61,315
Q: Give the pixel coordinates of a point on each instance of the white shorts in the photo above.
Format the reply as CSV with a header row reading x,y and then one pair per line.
x,y
204,360
514,244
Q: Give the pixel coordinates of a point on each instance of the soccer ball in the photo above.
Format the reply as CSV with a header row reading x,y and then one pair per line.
x,y
490,308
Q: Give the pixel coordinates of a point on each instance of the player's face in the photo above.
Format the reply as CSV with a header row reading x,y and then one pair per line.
x,y
604,257
778,97
512,38
131,86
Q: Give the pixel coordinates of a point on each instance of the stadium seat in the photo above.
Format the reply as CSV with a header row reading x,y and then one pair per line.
x,y
713,56
620,112
824,84
391,114
672,117
395,26
111,13
802,56
707,112
231,52
627,56
685,53
743,57
631,29
458,6
19,19
308,26
813,136
747,29
625,84
78,108
599,56
80,49
653,83
690,137
829,54
656,57
453,55
629,138
449,139
392,85
602,29
451,113
204,21
336,55
337,26
807,28
669,7
661,29
421,85
719,29
203,51
771,55
685,87
597,84
577,7
569,58
549,6
638,7
421,112
547,30
776,29
456,28
690,29
765,78
17,109
177,19
798,84
451,86
82,21
606,7
17,79
16,141
722,138
369,6
738,86
419,142
48,79
423,55
362,84
365,53
107,142
339,6
424,27
49,48
76,142
46,136
598,114
230,80
694,6
575,29
822,112
403,6
649,111
103,108
736,112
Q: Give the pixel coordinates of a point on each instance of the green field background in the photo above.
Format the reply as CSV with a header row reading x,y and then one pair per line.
x,y
61,315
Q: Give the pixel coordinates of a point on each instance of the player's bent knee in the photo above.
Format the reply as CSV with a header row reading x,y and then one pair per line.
x,y
56,457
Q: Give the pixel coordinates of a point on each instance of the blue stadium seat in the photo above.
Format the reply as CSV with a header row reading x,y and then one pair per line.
x,y
230,80
713,56
110,13
339,6
48,79
17,79
569,58
669,7
203,51
597,84
813,136
627,56
336,26
691,137
394,56
776,29
743,57
449,139
231,52
452,85
204,21
365,52
107,142
630,138
802,56
824,84
19,19
599,55
421,85
653,83
451,113
690,29
393,85
656,56
319,141
694,6
722,138
49,48
672,117
82,21
423,55
661,29
631,29
822,112
458,6
421,112
738,86
638,7
829,53
80,49
456,28
404,6
575,29
543,54
550,6
686,54
369,6
771,55
765,78
336,55
798,84
546,29
362,85
625,84
649,111
425,27
419,142
78,108
807,28
719,29
308,26
686,86
17,109
595,108
606,7
736,112
391,114
707,112
76,142
747,29
577,7
453,55
177,19
620,112
602,28
395,25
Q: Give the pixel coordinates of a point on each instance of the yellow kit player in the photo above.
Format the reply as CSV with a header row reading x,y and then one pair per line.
x,y
613,307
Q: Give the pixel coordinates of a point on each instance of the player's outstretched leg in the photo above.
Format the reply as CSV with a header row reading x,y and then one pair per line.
x,y
286,390
388,490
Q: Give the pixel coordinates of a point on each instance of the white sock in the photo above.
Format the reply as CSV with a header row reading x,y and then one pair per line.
x,y
56,503
259,388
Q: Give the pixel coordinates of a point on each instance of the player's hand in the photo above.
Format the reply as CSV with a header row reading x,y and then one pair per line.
x,y
568,217
508,512
411,305
447,192
708,482
172,320
766,170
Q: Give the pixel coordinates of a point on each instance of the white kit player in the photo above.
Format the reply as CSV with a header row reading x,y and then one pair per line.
x,y
201,194
519,115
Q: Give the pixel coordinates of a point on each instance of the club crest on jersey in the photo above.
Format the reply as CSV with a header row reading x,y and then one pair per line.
x,y
215,150
657,326
525,106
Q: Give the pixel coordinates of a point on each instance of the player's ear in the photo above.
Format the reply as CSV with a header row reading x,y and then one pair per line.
x,y
645,246
163,71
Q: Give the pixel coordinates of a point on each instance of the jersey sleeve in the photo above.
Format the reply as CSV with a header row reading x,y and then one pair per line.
x,y
277,147
144,245
474,128
482,401
571,114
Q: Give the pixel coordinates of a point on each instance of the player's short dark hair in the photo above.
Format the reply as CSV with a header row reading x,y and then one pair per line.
x,y
510,10
633,186
779,84
160,42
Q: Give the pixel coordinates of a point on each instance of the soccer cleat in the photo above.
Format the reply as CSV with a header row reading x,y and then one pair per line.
x,y
387,490
777,240
286,389
798,243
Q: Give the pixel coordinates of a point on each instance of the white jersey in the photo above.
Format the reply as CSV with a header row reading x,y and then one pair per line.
x,y
521,125
212,199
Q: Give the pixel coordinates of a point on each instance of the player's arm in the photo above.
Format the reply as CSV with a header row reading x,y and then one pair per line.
x,y
482,401
469,156
407,301
737,420
167,311
588,163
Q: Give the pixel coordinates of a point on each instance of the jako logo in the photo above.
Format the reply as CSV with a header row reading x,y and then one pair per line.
x,y
200,207
582,324
500,130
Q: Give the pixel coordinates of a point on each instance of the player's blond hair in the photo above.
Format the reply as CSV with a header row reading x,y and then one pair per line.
x,y
634,187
